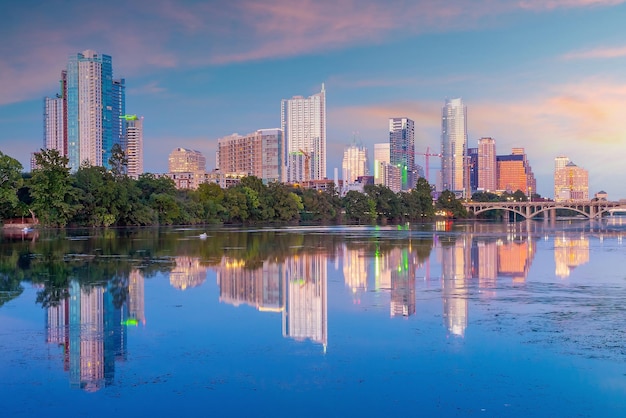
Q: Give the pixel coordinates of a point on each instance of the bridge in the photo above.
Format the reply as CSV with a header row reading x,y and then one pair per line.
x,y
547,210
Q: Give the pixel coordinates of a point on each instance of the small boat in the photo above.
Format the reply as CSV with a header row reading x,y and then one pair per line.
x,y
203,236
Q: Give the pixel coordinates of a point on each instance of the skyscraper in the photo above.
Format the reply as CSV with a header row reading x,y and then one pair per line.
x,y
355,163
381,158
303,122
487,175
54,123
94,103
515,173
453,144
256,154
571,183
402,148
133,144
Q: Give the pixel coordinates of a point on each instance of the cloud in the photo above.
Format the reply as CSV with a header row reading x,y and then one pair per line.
x,y
540,5
597,53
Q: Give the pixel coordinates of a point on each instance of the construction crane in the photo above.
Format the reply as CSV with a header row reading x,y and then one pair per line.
x,y
307,165
427,156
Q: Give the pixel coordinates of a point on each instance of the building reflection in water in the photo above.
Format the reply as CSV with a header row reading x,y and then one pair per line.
x,y
188,272
465,258
306,311
570,253
355,271
296,286
260,287
92,330
455,272
402,282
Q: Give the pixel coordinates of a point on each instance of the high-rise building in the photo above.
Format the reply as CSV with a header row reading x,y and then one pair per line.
x,y
355,163
571,183
133,144
187,168
472,158
515,173
303,122
487,167
402,148
94,104
54,124
381,157
256,154
453,145
559,163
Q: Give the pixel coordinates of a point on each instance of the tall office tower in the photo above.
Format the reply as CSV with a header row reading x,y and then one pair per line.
x,y
303,122
55,119
54,124
256,154
472,158
453,144
118,126
381,157
133,144
487,167
355,163
559,163
94,106
515,173
571,183
402,148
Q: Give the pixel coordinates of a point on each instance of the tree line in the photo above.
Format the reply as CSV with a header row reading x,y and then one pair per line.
x,y
96,197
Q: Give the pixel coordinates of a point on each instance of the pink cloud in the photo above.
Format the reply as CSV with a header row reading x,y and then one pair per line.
x,y
597,53
559,4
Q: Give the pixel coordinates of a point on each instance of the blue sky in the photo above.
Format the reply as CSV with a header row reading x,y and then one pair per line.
x,y
546,75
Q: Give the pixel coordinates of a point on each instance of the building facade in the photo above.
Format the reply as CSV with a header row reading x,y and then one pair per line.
x,y
187,168
381,156
571,184
54,125
515,173
487,167
402,148
355,163
303,122
133,144
453,145
94,104
256,154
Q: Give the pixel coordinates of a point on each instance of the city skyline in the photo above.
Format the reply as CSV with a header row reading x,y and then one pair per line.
x,y
196,78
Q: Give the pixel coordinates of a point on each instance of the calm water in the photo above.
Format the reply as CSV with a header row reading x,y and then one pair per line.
x,y
428,320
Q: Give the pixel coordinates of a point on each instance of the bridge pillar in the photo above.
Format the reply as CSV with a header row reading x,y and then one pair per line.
x,y
527,212
552,214
592,211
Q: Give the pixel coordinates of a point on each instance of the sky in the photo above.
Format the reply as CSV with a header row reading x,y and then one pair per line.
x,y
545,75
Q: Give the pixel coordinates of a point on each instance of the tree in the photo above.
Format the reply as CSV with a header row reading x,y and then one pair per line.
x,y
10,183
359,207
118,161
448,202
387,202
54,197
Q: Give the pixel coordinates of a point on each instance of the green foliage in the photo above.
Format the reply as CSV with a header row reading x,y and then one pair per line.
x,y
359,207
54,197
10,183
387,203
449,203
118,161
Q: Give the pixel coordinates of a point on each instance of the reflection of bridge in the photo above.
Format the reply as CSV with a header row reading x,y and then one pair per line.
x,y
530,210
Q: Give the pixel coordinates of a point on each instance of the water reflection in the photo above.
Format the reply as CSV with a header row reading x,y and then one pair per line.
x,y
93,286
92,333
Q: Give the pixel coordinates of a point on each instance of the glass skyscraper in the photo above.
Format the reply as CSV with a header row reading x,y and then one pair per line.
x,y
94,103
402,148
453,145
